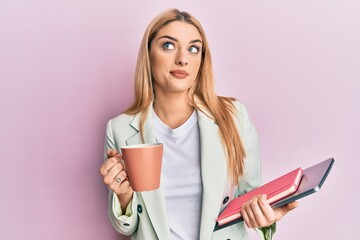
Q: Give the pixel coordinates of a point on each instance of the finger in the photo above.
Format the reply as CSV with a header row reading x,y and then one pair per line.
x,y
108,164
292,205
259,218
118,166
288,207
248,211
267,210
111,174
122,188
121,176
111,153
245,217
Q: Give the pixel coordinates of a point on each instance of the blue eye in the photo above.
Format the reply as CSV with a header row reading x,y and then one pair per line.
x,y
168,46
194,49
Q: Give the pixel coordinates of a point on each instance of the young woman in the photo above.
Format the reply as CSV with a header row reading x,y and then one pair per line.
x,y
211,152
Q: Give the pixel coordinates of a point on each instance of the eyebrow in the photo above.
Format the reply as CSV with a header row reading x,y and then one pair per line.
x,y
176,40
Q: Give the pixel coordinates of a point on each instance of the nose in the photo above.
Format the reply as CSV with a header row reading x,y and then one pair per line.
x,y
181,59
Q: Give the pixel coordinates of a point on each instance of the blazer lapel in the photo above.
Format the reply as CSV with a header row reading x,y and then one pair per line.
x,y
149,133
154,200
213,170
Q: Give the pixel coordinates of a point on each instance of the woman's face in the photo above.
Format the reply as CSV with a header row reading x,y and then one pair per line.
x,y
175,57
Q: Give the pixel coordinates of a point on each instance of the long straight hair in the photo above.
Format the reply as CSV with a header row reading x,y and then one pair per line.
x,y
201,94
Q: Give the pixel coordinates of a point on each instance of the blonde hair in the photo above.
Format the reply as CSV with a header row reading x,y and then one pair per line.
x,y
202,92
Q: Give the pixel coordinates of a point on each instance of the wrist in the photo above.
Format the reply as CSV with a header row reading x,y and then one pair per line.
x,y
125,198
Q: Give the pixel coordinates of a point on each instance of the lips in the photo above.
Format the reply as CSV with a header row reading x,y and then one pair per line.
x,y
179,73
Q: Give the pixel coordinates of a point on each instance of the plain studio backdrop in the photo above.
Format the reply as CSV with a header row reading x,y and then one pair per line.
x,y
66,67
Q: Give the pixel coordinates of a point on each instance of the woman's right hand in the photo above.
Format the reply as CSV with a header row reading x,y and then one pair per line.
x,y
115,177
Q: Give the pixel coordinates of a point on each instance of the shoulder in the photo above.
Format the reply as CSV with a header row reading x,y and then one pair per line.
x,y
122,119
120,128
242,117
240,109
120,123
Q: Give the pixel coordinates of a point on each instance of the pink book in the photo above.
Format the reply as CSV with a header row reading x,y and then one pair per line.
x,y
275,190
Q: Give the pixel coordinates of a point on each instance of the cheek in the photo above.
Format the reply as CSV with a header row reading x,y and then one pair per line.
x,y
157,64
197,66
154,66
157,69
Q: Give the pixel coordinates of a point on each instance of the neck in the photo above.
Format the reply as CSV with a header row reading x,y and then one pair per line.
x,y
173,110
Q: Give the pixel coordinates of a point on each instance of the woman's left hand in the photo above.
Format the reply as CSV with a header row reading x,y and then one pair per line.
x,y
258,213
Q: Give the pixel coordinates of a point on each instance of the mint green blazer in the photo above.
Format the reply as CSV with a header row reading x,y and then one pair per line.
x,y
146,216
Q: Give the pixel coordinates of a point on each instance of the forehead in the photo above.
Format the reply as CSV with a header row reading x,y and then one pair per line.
x,y
180,30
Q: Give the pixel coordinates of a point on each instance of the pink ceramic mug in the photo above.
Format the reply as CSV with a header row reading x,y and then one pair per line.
x,y
143,165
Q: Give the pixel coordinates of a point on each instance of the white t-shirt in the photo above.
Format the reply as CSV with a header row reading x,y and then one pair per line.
x,y
181,176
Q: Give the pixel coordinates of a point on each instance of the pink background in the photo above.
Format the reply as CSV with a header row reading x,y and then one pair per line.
x,y
66,67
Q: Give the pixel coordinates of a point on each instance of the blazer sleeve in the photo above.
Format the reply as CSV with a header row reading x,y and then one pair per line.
x,y
124,223
252,175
